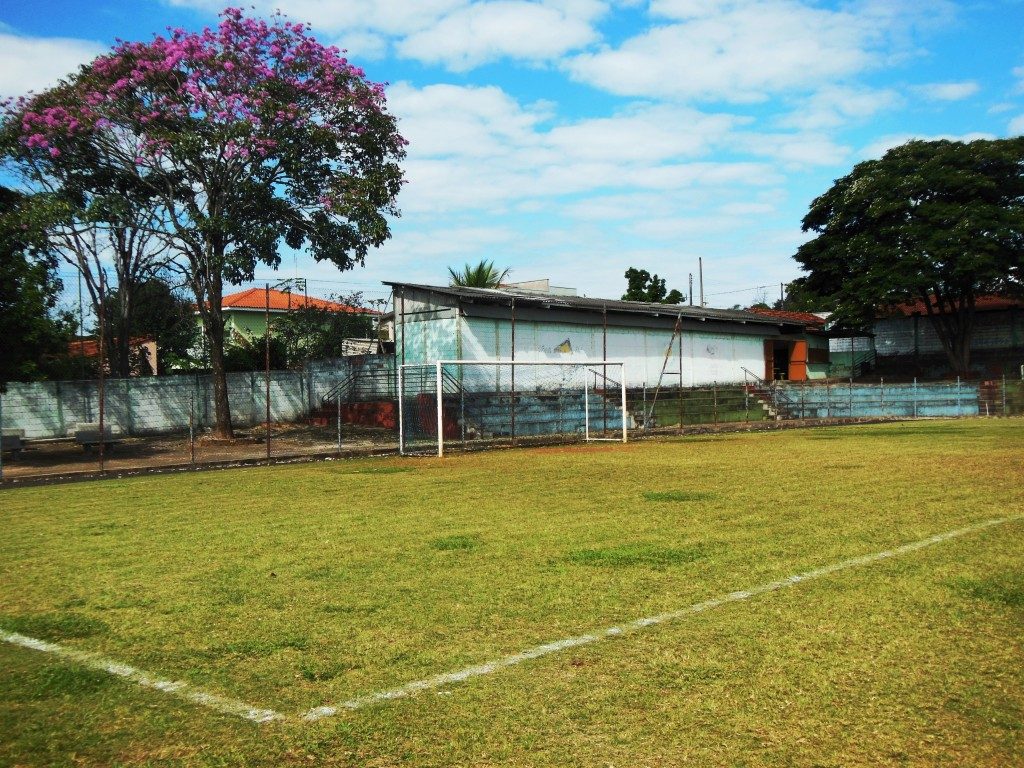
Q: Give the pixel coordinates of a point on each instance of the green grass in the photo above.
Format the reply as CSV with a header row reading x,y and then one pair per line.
x,y
296,586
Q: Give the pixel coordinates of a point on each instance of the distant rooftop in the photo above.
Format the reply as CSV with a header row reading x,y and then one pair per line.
x,y
282,301
539,286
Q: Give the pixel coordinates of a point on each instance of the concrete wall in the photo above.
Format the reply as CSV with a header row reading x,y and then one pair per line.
x,y
156,405
839,400
898,336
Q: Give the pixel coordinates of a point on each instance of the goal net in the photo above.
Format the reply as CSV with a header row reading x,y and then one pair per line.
x,y
464,404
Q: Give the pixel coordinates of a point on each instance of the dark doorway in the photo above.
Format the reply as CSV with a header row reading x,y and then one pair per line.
x,y
780,360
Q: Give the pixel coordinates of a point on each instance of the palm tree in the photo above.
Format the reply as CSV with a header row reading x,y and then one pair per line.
x,y
482,275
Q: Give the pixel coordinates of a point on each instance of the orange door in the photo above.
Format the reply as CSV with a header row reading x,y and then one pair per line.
x,y
798,360
769,360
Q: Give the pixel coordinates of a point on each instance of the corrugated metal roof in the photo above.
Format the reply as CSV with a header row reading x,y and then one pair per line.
x,y
504,296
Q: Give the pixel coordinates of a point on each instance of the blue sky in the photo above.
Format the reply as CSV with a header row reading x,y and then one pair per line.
x,y
572,139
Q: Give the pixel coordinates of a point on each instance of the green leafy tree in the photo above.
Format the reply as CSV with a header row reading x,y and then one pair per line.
x,y
941,222
481,275
317,333
800,298
157,312
35,333
643,286
241,137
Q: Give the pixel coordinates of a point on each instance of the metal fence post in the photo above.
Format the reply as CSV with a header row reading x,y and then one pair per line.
x,y
714,401
440,412
1004,394
192,428
1,431
337,398
881,394
401,409
959,408
851,396
622,373
915,397
828,398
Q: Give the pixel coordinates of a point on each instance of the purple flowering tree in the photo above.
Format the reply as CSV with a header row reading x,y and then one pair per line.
x,y
239,139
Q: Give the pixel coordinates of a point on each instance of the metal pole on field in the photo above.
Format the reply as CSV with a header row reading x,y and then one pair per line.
x,y
959,410
1004,394
681,383
714,400
622,373
338,398
266,336
401,410
1,431
915,397
645,425
881,393
604,371
192,427
101,391
513,373
828,398
851,395
586,409
440,414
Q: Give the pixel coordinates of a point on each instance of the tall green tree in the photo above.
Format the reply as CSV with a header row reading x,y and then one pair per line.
x,y
941,222
643,286
244,137
480,275
315,333
34,332
157,311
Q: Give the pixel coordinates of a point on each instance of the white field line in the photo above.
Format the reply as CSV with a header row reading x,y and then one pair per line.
x,y
491,667
173,687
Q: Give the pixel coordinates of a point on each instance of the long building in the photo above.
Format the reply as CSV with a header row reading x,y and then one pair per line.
x,y
713,345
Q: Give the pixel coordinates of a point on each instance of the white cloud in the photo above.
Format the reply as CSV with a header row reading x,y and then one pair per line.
x,y
793,150
35,63
489,31
833,106
458,34
948,91
734,51
1018,72
883,144
478,148
1016,126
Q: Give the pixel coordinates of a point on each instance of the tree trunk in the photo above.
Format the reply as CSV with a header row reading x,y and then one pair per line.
x,y
954,325
213,326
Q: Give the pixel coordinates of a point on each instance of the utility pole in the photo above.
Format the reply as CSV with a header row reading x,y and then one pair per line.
x,y
700,269
691,289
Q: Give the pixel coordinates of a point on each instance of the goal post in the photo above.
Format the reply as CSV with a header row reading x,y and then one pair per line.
x,y
494,403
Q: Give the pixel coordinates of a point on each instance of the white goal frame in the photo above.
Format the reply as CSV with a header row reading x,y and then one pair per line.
x,y
438,365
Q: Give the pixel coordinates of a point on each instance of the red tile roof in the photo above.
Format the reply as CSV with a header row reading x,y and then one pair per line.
x,y
281,301
90,347
982,304
808,319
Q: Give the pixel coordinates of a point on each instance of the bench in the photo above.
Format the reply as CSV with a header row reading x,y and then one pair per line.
x,y
88,436
12,441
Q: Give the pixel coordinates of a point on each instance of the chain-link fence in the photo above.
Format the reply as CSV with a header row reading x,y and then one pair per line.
x,y
67,428
358,405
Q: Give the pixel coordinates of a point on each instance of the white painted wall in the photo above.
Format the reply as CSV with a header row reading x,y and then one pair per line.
x,y
707,357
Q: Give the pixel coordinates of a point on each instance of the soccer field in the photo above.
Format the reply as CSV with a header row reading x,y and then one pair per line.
x,y
827,597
